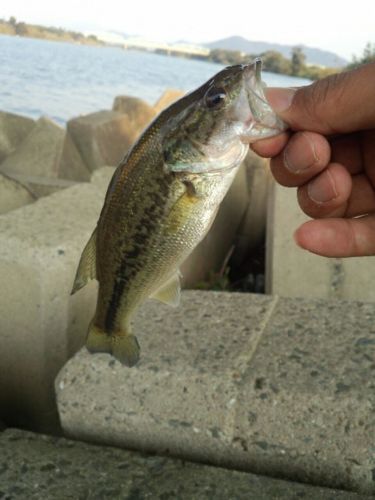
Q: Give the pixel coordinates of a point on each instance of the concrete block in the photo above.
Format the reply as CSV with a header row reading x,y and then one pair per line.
x,y
13,130
39,153
272,386
102,176
13,194
41,186
167,98
293,272
71,165
40,324
102,138
252,228
139,112
36,466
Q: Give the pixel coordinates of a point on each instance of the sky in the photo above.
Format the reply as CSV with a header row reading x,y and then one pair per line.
x,y
339,26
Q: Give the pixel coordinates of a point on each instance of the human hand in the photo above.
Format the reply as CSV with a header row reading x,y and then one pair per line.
x,y
329,155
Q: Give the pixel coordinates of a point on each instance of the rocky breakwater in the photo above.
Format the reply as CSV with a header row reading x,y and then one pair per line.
x,y
52,185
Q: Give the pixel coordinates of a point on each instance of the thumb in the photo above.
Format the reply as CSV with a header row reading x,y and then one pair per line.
x,y
340,103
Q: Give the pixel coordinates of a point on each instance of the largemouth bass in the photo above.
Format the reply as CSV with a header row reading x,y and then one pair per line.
x,y
163,198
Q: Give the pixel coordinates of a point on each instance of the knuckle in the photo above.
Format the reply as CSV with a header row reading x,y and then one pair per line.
x,y
322,97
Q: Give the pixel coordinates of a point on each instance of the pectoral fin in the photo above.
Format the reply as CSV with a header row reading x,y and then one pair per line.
x,y
87,265
170,291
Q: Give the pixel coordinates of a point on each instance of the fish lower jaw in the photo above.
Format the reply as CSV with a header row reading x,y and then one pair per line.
x,y
258,131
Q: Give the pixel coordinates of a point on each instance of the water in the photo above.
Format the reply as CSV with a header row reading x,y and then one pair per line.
x,y
63,80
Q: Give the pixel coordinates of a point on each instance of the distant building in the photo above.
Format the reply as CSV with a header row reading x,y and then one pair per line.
x,y
151,45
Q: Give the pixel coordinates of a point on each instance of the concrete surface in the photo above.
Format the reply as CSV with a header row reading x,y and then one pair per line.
x,y
36,466
167,97
71,164
41,186
40,324
101,178
13,130
252,227
292,272
274,386
102,138
39,153
13,194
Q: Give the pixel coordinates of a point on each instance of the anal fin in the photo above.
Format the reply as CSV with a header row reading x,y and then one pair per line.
x,y
170,291
87,265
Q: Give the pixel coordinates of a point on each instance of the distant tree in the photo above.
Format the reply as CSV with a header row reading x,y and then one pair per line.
x,y
368,53
21,29
297,62
368,56
223,56
12,20
275,62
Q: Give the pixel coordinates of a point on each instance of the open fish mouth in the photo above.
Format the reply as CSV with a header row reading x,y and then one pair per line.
x,y
262,121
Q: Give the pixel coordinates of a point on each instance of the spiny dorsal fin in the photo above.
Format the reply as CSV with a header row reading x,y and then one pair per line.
x,y
87,265
170,291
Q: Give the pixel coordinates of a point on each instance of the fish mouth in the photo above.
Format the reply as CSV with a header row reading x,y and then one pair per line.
x,y
261,121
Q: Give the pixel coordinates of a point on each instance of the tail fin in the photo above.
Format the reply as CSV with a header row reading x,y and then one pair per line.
x,y
123,346
126,349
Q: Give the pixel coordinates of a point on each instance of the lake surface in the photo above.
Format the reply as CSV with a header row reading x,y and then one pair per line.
x,y
63,80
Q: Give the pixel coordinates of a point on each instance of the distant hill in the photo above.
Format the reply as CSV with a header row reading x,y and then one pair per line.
x,y
313,55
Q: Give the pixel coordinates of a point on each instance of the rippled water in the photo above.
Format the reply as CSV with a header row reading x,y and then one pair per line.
x,y
63,80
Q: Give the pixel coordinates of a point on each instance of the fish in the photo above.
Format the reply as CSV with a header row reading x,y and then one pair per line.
x,y
163,199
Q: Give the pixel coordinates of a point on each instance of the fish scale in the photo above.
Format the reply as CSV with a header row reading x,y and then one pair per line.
x,y
163,199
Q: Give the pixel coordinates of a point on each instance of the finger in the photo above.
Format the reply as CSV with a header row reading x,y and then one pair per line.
x,y
338,237
362,197
305,155
271,146
327,194
347,150
340,103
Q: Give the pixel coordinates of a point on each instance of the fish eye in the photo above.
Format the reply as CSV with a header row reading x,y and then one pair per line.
x,y
214,97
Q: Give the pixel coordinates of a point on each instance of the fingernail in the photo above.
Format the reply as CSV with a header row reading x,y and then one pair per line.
x,y
322,189
280,99
300,153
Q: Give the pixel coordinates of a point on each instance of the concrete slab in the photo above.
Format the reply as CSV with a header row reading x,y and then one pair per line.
x,y
13,194
102,176
40,324
41,186
280,388
13,130
35,466
293,272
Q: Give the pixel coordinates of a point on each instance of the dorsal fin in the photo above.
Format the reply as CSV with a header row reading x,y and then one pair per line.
x,y
170,291
87,265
